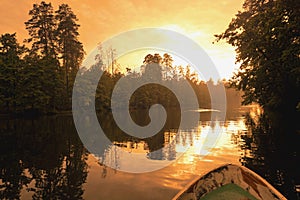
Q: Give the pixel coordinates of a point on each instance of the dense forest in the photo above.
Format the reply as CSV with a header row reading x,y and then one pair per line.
x,y
161,69
38,76
46,157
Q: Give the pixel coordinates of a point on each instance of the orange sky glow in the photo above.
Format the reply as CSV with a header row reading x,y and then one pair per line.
x,y
100,20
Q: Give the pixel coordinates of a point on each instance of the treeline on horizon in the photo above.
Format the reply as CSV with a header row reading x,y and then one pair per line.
x,y
155,68
38,76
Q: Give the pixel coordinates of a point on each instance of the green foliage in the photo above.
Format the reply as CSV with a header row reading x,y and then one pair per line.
x,y
10,67
41,28
70,48
40,79
266,35
33,96
147,95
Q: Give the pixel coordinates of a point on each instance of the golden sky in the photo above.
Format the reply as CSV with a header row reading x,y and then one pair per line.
x,y
100,20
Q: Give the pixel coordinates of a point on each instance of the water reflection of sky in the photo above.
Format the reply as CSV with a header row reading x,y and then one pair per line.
x,y
106,183
44,158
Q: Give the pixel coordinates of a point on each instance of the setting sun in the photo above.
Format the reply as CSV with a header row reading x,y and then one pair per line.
x,y
101,20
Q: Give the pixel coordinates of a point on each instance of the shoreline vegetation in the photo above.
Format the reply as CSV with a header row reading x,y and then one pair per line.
x,y
37,77
266,38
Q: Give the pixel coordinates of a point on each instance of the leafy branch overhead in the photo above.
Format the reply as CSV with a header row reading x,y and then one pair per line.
x,y
266,36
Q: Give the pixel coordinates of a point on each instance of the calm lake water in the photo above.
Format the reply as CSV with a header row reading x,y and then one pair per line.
x,y
44,158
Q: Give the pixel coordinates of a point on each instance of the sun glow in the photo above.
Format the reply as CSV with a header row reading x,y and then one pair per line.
x,y
220,53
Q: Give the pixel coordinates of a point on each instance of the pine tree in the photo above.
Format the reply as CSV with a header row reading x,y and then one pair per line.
x,y
41,28
70,48
10,66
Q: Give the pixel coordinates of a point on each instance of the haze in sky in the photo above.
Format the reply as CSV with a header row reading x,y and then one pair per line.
x,y
100,20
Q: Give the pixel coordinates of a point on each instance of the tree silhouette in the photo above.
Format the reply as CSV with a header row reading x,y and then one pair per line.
x,y
70,48
10,68
41,28
266,37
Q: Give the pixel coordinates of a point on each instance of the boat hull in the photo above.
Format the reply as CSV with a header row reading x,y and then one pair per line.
x,y
229,182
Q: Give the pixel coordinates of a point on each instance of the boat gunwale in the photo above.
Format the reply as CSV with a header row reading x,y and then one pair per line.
x,y
190,186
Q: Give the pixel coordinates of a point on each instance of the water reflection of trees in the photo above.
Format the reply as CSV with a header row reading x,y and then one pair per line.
x,y
270,147
161,146
44,157
141,118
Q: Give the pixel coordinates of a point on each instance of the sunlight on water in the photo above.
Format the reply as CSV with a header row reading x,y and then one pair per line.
x,y
182,168
45,158
52,162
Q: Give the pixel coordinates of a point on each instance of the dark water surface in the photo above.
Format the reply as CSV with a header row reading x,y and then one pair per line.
x,y
44,158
